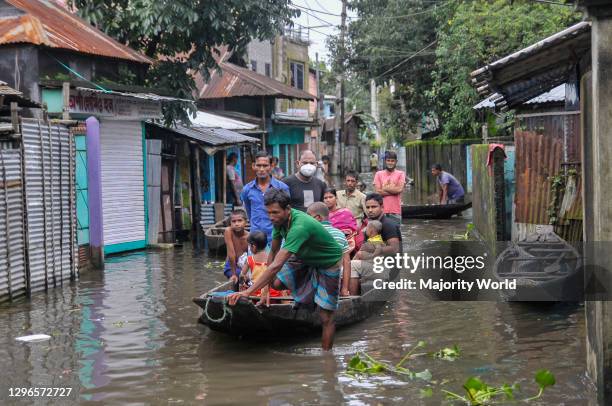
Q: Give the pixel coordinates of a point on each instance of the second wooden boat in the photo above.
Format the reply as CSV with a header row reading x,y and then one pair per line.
x,y
546,268
433,211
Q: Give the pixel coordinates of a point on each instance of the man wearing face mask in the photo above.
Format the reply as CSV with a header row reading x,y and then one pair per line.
x,y
304,187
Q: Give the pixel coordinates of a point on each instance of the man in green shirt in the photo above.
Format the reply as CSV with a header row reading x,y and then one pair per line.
x,y
313,277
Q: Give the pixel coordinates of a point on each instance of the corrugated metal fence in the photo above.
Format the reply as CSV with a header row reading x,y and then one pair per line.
x,y
548,145
41,200
49,154
13,278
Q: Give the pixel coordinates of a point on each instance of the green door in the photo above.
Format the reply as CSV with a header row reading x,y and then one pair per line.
x,y
81,190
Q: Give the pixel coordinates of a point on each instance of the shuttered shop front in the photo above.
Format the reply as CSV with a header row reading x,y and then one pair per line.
x,y
123,194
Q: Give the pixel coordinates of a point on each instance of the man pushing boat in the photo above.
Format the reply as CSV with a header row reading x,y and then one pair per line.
x,y
308,263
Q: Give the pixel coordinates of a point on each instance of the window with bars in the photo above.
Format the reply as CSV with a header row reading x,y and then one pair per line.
x,y
268,68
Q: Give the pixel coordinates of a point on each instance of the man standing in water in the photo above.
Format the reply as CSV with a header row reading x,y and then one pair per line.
x,y
304,187
312,274
451,190
389,183
253,194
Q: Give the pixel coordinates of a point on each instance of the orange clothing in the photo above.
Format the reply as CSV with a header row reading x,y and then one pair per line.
x,y
255,269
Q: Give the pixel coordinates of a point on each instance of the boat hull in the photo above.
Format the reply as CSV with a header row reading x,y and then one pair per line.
x,y
433,211
283,319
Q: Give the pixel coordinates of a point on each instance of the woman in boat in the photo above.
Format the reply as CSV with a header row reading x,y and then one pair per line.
x,y
342,218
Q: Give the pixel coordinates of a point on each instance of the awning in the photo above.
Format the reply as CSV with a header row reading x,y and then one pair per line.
x,y
556,95
210,120
213,139
531,71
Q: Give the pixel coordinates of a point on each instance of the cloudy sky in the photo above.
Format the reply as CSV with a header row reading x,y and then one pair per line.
x,y
323,18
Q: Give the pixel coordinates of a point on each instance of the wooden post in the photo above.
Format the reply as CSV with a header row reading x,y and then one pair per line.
x,y
197,200
597,157
15,117
66,101
224,181
263,123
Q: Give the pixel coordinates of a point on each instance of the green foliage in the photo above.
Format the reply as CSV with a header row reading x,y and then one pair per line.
x,y
183,34
447,354
477,392
462,36
363,364
557,189
443,141
475,33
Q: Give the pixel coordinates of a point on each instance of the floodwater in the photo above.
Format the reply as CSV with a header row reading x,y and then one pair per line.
x,y
129,336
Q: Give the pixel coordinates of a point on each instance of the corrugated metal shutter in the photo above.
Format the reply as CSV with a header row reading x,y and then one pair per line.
x,y
49,154
12,245
122,184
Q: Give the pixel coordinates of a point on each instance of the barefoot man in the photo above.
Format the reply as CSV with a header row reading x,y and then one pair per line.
x,y
308,264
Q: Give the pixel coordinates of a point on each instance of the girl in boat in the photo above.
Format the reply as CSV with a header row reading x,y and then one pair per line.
x,y
255,265
342,219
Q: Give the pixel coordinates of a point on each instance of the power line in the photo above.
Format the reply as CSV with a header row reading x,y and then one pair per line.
x,y
308,9
405,60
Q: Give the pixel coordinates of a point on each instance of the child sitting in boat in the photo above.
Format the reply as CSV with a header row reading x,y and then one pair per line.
x,y
371,248
255,265
374,243
236,242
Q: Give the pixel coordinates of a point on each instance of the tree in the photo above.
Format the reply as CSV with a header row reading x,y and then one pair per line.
x,y
429,48
182,34
474,33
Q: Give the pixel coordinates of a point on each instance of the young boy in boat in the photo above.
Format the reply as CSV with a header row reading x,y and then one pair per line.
x,y
316,280
255,265
236,243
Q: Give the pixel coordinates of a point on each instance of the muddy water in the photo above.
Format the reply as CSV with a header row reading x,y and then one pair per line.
x,y
129,336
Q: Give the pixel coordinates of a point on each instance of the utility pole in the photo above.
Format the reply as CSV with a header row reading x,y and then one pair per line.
x,y
318,108
342,78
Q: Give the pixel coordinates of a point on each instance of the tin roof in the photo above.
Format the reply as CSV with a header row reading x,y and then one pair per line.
x,y
143,96
46,23
555,95
12,95
235,81
214,137
206,119
527,73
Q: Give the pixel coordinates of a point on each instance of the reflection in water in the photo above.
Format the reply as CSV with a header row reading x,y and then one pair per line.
x,y
129,335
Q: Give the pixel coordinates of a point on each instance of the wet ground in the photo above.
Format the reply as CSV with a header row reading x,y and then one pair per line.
x,y
129,336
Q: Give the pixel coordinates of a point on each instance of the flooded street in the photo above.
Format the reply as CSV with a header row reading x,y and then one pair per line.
x,y
129,336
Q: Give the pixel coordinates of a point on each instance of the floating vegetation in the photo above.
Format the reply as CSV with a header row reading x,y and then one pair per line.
x,y
447,354
478,393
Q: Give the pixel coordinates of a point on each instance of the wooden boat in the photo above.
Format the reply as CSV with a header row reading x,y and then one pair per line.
x,y
433,211
246,319
214,234
214,237
545,268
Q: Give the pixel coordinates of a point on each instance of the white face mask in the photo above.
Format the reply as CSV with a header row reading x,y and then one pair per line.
x,y
308,170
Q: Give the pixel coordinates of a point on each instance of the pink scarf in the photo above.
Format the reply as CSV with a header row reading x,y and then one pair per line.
x,y
343,220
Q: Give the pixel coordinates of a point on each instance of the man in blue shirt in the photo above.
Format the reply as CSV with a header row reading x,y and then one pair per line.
x,y
451,190
252,194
